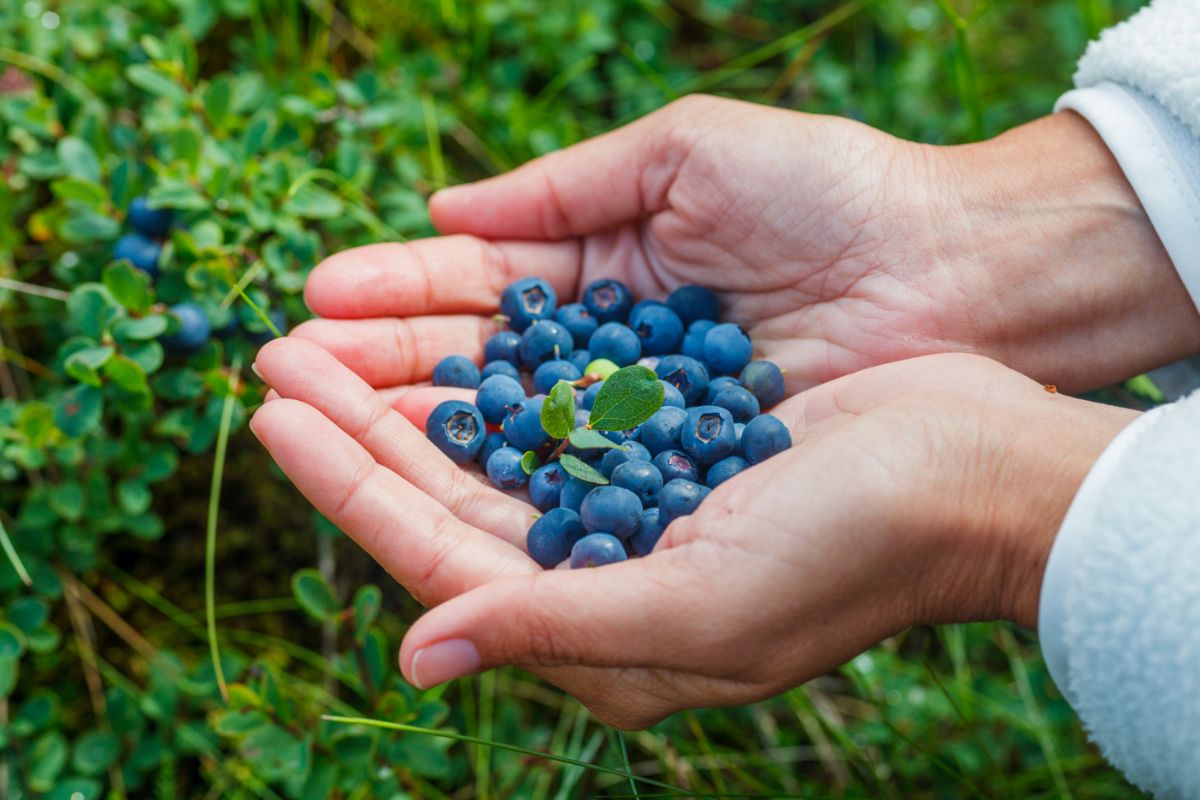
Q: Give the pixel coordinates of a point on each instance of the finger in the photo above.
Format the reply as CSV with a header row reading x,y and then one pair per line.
x,y
614,178
392,352
415,538
302,371
446,275
416,402
639,613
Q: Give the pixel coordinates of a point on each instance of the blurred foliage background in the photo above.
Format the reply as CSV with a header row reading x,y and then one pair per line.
x,y
279,131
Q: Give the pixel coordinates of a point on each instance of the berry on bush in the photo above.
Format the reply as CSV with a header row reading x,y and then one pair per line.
x,y
140,251
153,223
193,331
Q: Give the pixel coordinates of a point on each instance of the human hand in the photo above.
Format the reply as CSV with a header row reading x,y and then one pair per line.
x,y
836,246
918,492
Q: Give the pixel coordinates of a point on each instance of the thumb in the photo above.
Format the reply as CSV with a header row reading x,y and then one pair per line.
x,y
617,177
635,613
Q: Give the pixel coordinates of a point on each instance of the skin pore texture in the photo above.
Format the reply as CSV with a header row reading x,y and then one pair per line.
x,y
921,491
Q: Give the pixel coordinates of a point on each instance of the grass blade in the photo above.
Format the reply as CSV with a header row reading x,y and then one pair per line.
x,y
13,557
210,539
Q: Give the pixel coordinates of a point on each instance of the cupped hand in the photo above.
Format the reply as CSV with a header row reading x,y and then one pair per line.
x,y
922,491
837,246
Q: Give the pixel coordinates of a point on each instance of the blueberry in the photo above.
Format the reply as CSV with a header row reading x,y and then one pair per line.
x,y
739,428
640,304
672,396
693,303
608,300
621,437
143,253
504,469
727,348
708,435
544,340
553,535
499,368
676,465
194,328
545,486
497,395
693,340
550,373
725,469
765,381
686,374
457,428
765,436
152,222
573,492
491,443
580,358
527,300
578,321
716,385
522,425
679,498
738,401
503,346
640,477
659,328
596,550
458,371
629,451
617,343
661,431
611,509
649,532
589,396
258,333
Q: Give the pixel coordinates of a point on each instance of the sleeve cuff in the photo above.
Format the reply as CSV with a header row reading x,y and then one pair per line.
x,y
1161,160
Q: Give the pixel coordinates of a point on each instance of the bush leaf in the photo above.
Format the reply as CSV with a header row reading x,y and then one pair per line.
x,y
558,412
530,462
591,440
627,398
579,468
315,595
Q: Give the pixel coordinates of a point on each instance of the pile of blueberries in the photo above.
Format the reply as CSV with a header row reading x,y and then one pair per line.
x,y
142,248
603,500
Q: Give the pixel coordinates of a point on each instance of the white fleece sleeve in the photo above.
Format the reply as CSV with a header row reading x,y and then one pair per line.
x,y
1120,603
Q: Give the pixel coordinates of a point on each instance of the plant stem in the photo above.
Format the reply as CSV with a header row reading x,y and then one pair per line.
x,y
210,543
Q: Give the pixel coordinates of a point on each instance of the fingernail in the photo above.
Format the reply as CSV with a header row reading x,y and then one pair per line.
x,y
443,662
254,369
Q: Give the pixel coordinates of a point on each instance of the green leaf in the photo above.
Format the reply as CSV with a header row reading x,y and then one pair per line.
x,y
67,500
178,194
95,752
585,439
27,613
83,365
46,760
79,159
628,397
81,190
530,462
240,721
92,307
155,81
12,641
78,410
558,412
313,202
85,225
367,602
140,330
1144,387
127,373
129,286
315,595
133,496
581,469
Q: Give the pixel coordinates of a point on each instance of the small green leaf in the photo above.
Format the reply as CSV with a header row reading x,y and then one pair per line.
x,y
79,159
83,365
78,410
558,412
585,439
81,190
367,602
313,202
129,286
154,81
581,469
68,500
12,641
1144,387
95,752
315,595
530,462
85,225
133,496
127,373
92,307
178,194
628,397
140,330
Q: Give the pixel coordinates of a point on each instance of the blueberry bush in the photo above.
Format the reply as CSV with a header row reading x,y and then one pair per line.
x,y
174,621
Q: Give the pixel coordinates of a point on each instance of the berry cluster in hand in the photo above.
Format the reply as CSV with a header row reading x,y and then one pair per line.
x,y
616,417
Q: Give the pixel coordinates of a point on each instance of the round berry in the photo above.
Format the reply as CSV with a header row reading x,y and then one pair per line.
x,y
686,374
545,486
573,492
458,371
550,373
727,348
504,469
716,385
457,428
498,395
600,366
152,222
693,340
499,368
675,465
661,431
527,300
672,396
616,342
765,381
580,358
708,435
596,550
629,451
693,303
649,531
544,340
589,396
140,251
491,443
608,300
503,346
611,509
553,535
193,331
738,401
679,498
659,328
640,477
522,425
578,321
725,469
765,436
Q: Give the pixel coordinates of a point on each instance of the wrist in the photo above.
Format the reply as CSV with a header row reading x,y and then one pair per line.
x,y
1048,227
